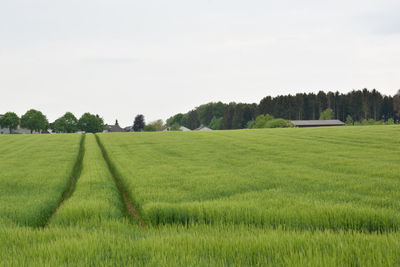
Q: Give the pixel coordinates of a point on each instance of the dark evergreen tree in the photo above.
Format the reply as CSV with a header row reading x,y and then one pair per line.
x,y
193,121
138,123
228,116
396,105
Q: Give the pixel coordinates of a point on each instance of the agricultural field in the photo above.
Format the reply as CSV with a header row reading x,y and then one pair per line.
x,y
303,179
268,197
34,173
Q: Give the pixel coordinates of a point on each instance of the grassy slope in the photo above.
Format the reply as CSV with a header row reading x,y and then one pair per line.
x,y
326,178
35,170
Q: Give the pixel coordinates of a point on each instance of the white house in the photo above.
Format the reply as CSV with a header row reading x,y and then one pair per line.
x,y
19,130
166,128
4,131
203,128
184,129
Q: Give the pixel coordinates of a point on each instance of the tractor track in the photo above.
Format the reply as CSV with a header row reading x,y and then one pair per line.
x,y
69,190
131,211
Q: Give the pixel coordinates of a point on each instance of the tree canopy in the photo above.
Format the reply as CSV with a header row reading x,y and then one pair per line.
x,y
154,126
91,123
68,123
396,104
34,120
9,120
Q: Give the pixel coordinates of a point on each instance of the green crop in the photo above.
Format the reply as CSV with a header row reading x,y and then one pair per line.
x,y
270,197
328,178
34,172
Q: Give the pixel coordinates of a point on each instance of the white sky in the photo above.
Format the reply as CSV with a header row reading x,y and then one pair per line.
x,y
119,58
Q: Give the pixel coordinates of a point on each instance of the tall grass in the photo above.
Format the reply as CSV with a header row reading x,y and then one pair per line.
x,y
119,244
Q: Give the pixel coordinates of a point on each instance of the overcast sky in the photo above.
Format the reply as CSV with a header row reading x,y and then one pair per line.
x,y
119,58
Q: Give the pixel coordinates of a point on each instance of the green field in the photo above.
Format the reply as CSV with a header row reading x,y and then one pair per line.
x,y
278,197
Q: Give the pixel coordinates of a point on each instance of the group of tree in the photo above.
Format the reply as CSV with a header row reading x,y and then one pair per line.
x,y
10,120
33,120
268,121
36,121
68,123
216,116
358,105
140,125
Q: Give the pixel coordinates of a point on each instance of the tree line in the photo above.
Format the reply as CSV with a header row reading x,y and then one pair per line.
x,y
355,106
36,121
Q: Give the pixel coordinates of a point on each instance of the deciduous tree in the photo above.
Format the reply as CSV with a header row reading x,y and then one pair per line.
x,y
91,123
34,120
65,124
9,120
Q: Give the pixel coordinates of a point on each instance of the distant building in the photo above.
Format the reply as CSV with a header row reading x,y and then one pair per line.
x,y
317,123
202,128
128,129
114,128
184,129
167,128
4,131
19,130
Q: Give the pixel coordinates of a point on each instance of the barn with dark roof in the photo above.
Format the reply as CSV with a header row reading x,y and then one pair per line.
x,y
317,123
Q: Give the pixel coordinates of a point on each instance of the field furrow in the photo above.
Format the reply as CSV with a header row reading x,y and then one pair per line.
x,y
129,207
96,199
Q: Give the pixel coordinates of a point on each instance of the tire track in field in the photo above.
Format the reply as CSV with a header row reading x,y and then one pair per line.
x,y
130,209
75,174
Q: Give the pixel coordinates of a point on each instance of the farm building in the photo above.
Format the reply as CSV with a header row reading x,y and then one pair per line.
x,y
317,123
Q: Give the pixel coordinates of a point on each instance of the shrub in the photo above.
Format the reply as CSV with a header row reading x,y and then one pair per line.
x,y
149,128
349,120
278,123
390,121
262,120
327,114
